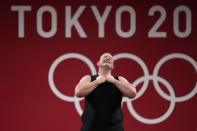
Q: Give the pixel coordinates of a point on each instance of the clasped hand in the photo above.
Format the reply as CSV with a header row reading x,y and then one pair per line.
x,y
102,79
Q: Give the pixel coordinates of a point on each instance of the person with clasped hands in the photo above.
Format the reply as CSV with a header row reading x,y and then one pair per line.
x,y
103,96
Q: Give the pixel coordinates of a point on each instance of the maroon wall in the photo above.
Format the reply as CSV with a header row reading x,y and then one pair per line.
x,y
37,81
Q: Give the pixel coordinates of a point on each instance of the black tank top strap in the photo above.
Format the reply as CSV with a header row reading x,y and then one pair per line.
x,y
116,77
93,77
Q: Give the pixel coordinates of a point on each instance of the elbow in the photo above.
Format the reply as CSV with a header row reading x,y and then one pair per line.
x,y
78,93
133,94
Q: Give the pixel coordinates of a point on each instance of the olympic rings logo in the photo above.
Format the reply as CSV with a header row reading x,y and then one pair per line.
x,y
154,77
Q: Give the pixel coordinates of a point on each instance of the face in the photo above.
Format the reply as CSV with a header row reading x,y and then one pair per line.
x,y
106,61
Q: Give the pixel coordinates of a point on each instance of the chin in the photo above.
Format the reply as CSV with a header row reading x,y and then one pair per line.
x,y
108,67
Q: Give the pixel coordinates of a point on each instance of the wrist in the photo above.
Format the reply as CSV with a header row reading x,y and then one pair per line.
x,y
97,82
115,82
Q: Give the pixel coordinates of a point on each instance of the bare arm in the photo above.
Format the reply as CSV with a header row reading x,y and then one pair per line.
x,y
85,86
125,87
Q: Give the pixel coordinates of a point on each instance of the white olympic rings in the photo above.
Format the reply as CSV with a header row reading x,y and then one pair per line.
x,y
59,60
172,98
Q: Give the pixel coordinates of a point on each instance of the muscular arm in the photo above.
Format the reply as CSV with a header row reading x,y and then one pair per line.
x,y
85,86
125,87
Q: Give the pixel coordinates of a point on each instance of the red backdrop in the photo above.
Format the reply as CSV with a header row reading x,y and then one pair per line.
x,y
28,102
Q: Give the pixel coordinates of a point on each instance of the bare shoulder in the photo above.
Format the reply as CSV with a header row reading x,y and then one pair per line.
x,y
86,78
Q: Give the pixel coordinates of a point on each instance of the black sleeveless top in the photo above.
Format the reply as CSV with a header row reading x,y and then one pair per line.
x,y
103,108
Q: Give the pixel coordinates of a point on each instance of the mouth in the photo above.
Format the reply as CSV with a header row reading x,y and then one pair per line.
x,y
107,62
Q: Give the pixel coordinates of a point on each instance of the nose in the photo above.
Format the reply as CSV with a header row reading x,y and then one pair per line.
x,y
108,59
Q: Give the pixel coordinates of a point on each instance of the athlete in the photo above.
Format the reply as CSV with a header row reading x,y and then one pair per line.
x,y
103,96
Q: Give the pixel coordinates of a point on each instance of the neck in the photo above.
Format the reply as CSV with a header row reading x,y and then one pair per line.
x,y
104,72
